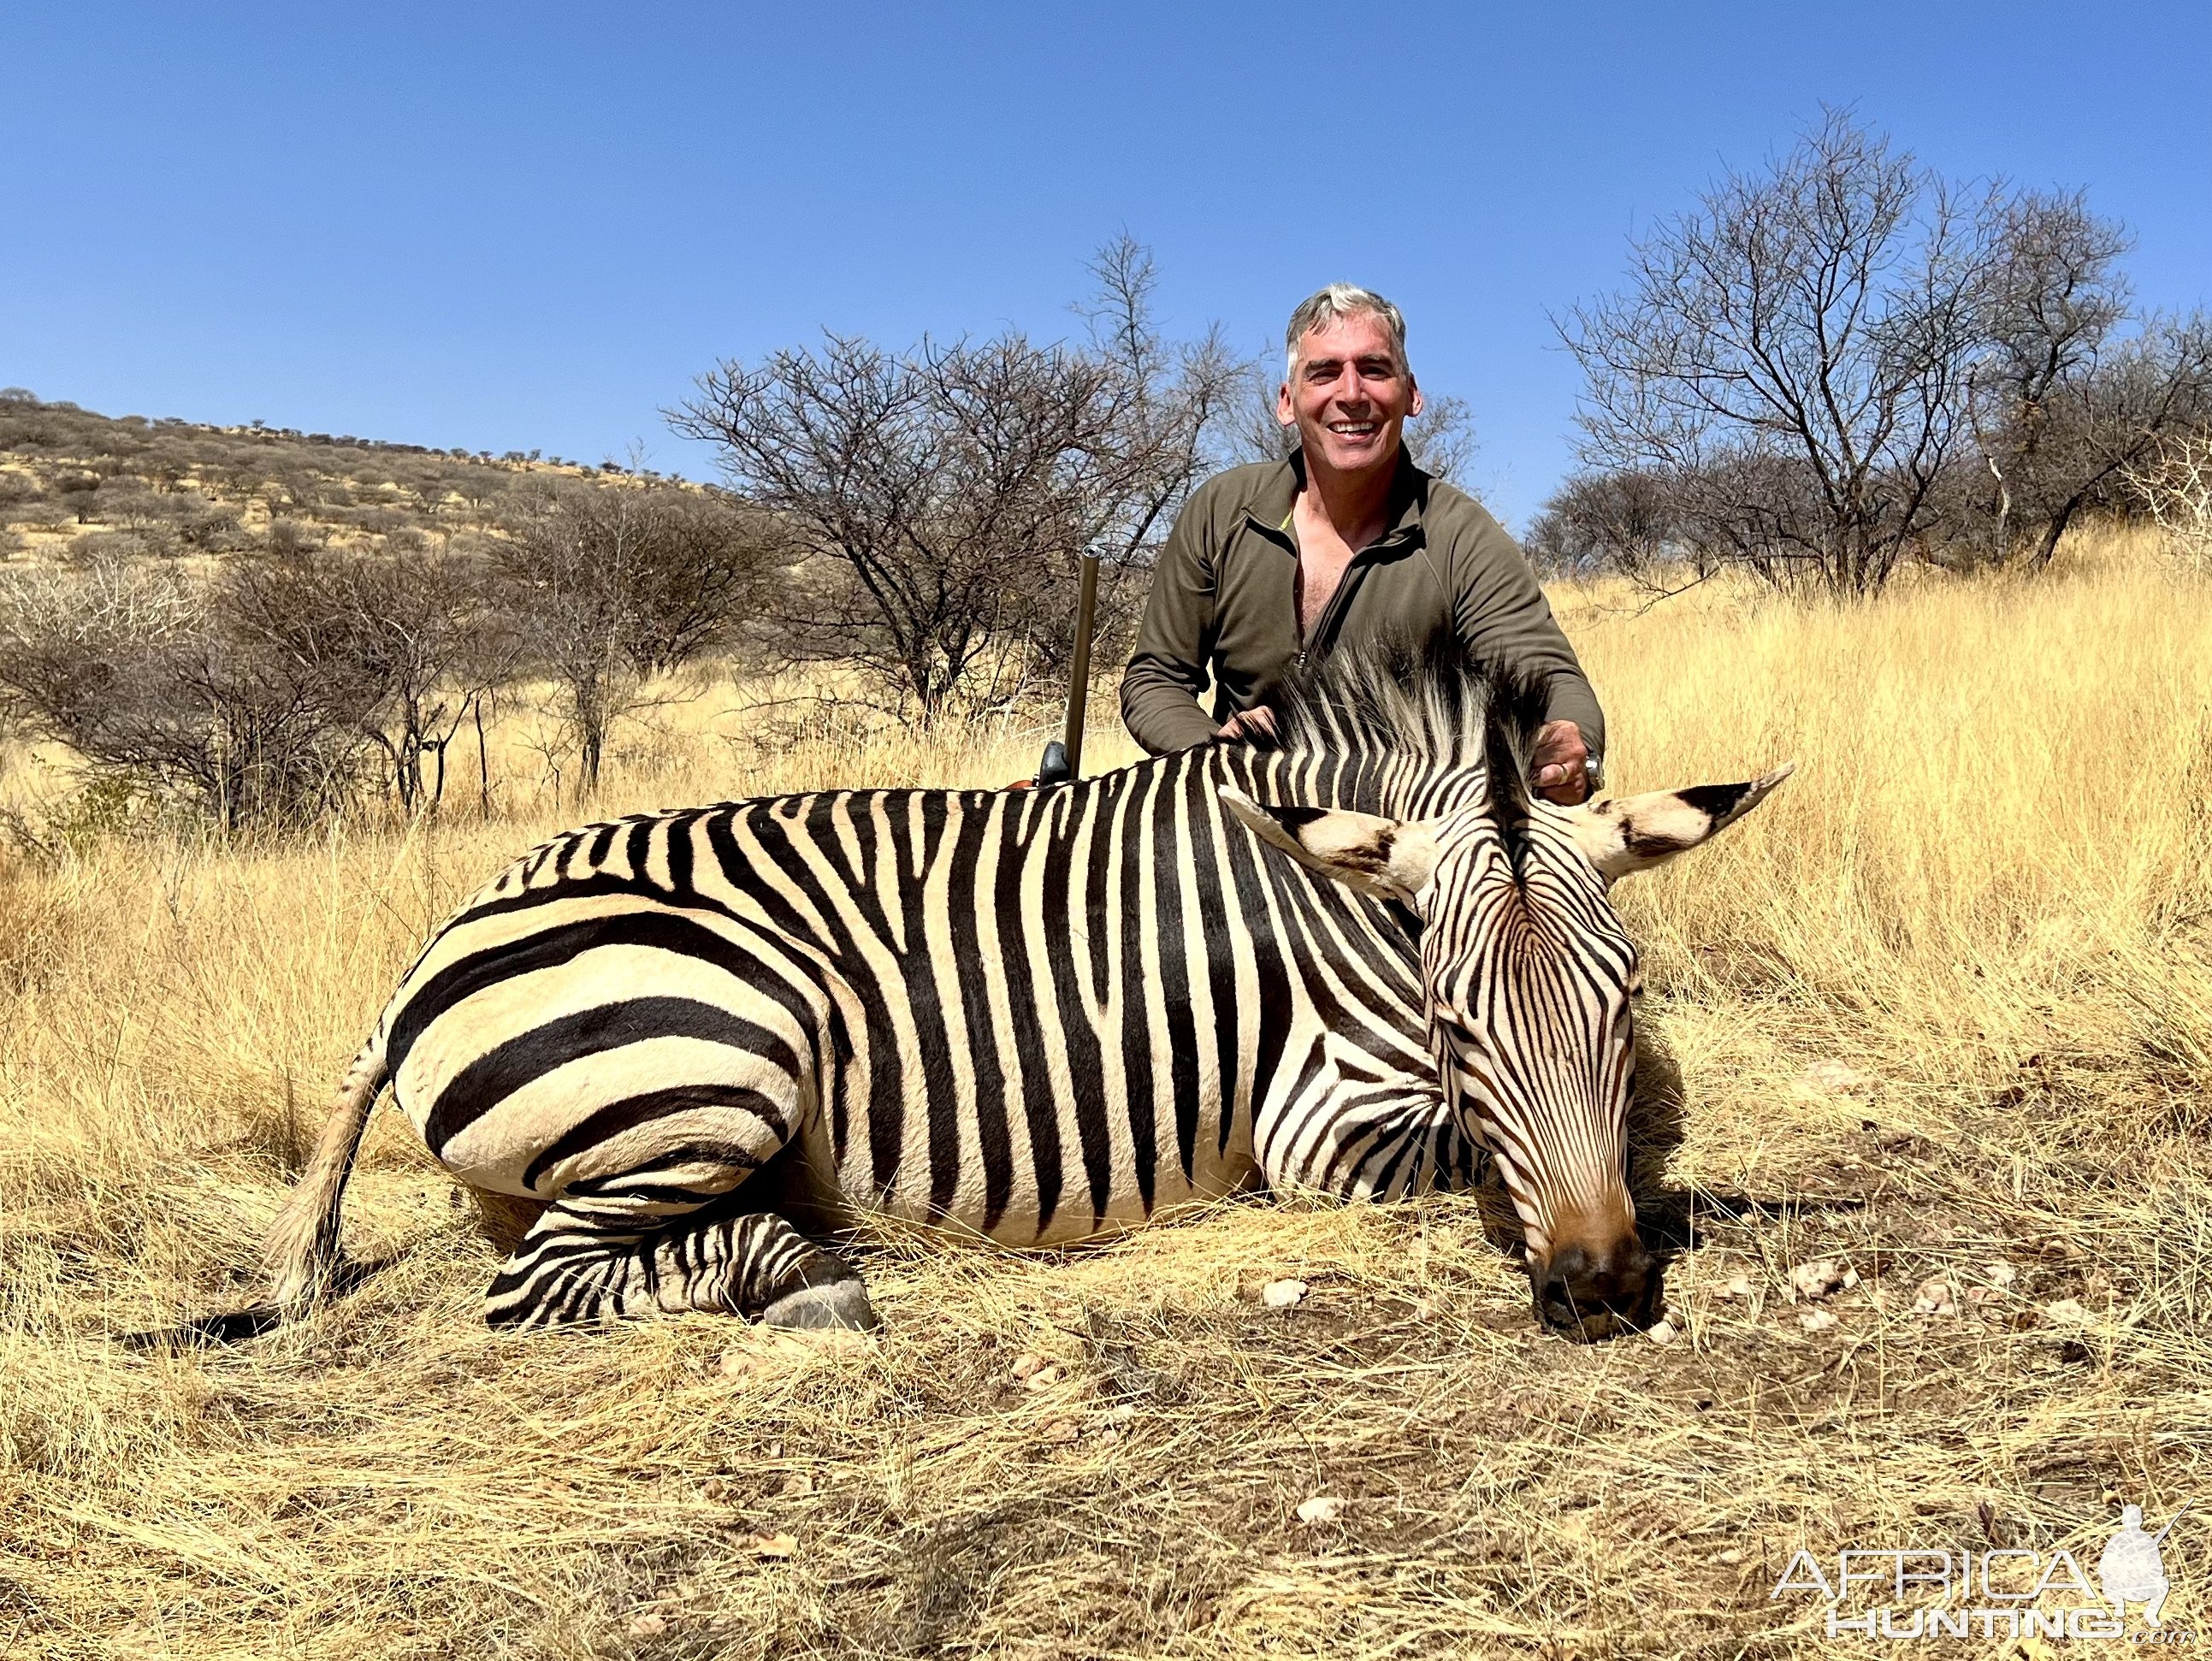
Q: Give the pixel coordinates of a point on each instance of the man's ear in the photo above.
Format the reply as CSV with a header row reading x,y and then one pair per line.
x,y
1635,833
1384,859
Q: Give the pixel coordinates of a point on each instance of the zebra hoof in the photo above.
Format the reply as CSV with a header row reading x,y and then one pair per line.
x,y
838,1304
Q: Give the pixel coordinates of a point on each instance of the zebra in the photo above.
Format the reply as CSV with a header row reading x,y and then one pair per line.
x,y
1353,955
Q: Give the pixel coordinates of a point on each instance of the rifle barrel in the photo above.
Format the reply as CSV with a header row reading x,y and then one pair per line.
x,y
1079,670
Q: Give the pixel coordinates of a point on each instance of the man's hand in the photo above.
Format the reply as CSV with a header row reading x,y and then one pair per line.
x,y
1558,762
1246,722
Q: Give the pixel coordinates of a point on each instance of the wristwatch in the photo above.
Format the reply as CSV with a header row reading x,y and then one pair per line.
x,y
1594,771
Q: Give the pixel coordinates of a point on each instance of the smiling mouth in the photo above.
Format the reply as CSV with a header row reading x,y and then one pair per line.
x,y
1355,429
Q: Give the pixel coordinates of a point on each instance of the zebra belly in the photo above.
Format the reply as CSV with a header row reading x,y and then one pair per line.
x,y
1071,1221
1075,1159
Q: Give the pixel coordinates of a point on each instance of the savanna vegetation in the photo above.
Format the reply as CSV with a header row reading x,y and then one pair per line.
x,y
1845,362
1921,1124
1936,1015
250,629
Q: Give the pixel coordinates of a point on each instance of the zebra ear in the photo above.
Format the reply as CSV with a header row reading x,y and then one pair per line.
x,y
1385,859
1635,833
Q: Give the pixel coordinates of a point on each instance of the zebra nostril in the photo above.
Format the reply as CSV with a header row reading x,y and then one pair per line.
x,y
1578,1285
1563,1288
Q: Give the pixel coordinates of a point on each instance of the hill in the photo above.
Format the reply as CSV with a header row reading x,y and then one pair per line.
x,y
72,481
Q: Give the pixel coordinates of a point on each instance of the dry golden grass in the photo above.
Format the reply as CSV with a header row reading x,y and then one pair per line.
x,y
1989,892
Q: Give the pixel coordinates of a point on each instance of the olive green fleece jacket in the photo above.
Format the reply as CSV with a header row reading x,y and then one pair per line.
x,y
1224,605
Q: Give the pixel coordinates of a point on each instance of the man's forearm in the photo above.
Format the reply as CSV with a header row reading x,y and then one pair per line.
x,y
1504,619
1161,713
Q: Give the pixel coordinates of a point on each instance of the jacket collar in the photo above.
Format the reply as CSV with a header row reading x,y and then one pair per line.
x,y
1271,504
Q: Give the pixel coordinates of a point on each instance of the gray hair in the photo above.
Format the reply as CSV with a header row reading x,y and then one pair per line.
x,y
1342,300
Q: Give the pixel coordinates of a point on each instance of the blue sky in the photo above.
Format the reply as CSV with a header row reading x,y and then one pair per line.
x,y
529,228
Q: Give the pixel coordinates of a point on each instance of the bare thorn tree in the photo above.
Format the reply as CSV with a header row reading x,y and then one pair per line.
x,y
2069,400
614,586
139,671
409,638
1624,522
2176,486
1795,352
945,493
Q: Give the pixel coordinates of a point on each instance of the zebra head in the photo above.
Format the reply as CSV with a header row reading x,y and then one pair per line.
x,y
1529,979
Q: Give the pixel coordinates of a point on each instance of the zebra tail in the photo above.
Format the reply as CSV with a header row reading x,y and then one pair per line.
x,y
302,1247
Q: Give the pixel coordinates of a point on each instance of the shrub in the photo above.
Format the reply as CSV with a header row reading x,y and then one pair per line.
x,y
211,530
133,668
288,537
2177,487
92,547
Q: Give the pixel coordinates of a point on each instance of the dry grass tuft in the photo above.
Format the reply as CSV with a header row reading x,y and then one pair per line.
x,y
1986,902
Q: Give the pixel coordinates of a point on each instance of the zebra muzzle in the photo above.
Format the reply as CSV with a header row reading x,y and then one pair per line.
x,y
1586,1292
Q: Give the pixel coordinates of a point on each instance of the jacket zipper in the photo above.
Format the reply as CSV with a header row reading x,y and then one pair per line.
x,y
1335,600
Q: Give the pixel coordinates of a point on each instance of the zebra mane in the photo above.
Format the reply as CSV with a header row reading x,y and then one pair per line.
x,y
1427,708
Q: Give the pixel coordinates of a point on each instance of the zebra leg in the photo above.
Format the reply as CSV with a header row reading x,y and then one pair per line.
x,y
576,1266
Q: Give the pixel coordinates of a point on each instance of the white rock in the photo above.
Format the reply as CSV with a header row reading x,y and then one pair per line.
x,y
647,1624
1739,1287
2067,1311
1046,1377
1816,1280
1662,1331
1935,1297
1321,1508
1283,1294
1027,1364
2002,1274
1816,1320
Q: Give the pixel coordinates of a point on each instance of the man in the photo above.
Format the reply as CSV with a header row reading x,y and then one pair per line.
x,y
1346,542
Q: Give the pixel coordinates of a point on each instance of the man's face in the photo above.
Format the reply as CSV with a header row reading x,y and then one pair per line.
x,y
1347,395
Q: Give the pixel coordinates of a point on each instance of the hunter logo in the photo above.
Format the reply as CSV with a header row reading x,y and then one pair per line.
x,y
1936,1593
